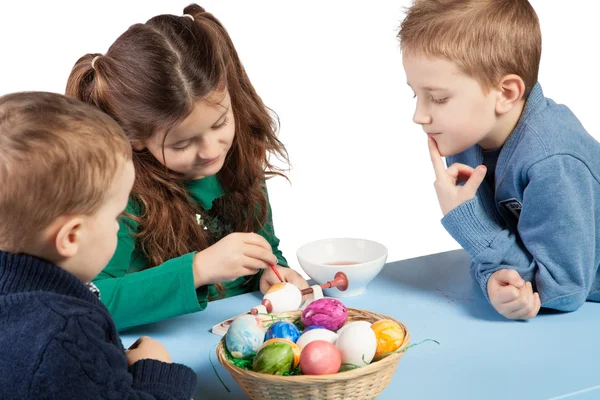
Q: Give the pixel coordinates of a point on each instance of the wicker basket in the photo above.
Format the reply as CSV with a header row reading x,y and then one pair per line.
x,y
361,383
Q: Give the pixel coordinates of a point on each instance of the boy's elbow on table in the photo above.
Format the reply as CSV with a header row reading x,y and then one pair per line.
x,y
564,302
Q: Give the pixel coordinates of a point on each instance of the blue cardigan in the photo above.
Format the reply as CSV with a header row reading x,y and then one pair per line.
x,y
542,219
58,341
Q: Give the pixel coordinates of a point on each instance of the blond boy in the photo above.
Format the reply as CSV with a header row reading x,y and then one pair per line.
x,y
66,174
522,188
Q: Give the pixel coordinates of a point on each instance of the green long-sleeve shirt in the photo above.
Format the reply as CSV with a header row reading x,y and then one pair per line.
x,y
136,295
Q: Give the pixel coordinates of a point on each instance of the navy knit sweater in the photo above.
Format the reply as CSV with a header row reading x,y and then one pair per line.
x,y
58,341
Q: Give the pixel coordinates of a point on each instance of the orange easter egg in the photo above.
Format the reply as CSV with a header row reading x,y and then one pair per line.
x,y
276,287
293,345
389,335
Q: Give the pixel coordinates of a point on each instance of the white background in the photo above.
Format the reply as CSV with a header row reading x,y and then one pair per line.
x,y
332,71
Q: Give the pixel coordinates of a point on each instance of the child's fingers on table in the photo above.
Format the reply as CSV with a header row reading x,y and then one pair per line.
x,y
533,305
436,159
526,312
523,313
524,305
511,309
537,305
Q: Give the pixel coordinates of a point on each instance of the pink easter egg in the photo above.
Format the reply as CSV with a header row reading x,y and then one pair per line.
x,y
320,358
328,312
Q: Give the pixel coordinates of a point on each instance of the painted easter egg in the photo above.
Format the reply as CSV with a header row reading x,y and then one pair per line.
x,y
365,323
328,312
293,345
274,359
245,336
316,334
284,297
357,343
310,328
320,358
284,330
389,336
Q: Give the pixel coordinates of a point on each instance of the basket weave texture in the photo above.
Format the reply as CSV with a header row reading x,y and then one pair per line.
x,y
360,383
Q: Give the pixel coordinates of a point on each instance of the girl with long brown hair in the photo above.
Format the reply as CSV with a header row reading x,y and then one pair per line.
x,y
198,226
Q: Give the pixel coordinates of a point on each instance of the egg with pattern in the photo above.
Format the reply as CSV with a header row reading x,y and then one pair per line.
x,y
327,312
274,358
294,346
284,330
245,336
389,335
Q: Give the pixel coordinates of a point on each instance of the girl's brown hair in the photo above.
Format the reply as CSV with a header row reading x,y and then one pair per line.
x,y
149,81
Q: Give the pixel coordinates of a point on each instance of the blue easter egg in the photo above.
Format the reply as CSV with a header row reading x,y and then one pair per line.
x,y
245,336
310,328
283,330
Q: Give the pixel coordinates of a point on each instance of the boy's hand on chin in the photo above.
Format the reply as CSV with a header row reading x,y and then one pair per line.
x,y
447,181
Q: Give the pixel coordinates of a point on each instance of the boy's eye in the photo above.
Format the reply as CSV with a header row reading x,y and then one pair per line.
x,y
439,101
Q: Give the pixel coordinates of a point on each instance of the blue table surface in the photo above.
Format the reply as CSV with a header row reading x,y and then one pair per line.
x,y
481,355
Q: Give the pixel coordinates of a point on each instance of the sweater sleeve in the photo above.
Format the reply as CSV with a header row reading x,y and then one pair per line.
x,y
148,295
79,363
557,246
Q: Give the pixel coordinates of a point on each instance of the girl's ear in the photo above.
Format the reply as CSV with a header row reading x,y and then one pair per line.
x,y
68,238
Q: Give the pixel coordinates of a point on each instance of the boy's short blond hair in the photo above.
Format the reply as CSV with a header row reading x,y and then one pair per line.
x,y
485,39
58,156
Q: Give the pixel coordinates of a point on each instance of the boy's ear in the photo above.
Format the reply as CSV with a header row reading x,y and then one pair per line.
x,y
511,89
68,238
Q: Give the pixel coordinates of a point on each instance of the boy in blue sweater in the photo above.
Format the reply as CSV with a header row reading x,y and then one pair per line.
x,y
66,174
522,189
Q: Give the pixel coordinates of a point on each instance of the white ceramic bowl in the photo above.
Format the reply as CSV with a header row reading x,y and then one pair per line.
x,y
360,259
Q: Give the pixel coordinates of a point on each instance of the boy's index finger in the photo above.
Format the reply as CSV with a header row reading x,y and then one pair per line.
x,y
436,159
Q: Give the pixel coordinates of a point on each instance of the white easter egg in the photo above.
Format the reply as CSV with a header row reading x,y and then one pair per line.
x,y
358,344
316,334
284,296
365,323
